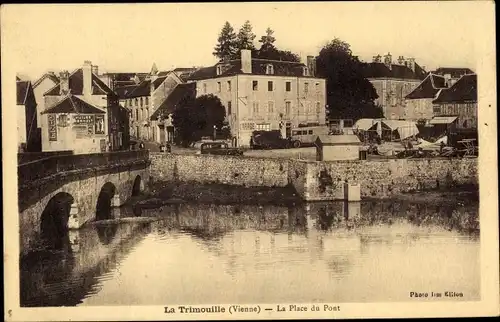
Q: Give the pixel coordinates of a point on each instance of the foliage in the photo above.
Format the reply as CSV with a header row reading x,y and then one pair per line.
x,y
227,45
245,37
349,93
197,118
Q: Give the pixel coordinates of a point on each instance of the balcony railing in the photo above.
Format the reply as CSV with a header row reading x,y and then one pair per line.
x,y
45,167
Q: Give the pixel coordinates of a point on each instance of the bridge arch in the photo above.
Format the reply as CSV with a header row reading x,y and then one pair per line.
x,y
105,201
137,186
54,231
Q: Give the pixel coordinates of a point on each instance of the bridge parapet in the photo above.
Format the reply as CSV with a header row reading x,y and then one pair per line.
x,y
39,169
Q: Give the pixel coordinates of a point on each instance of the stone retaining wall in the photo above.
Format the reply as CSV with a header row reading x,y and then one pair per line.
x,y
317,180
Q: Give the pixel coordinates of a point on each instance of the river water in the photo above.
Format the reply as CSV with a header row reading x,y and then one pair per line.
x,y
321,252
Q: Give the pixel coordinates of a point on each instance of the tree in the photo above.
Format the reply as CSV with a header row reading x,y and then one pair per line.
x,y
226,43
246,37
267,40
349,93
197,118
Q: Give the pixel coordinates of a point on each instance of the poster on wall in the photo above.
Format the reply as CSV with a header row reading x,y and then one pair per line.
x,y
52,127
83,119
99,124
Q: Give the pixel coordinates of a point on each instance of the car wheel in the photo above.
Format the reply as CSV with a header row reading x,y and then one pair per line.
x,y
296,144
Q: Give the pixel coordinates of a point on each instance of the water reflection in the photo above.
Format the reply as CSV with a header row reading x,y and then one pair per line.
x,y
196,254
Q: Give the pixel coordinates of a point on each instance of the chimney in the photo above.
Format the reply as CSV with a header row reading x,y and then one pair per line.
x,y
64,82
246,61
87,78
447,80
410,63
388,60
311,64
377,59
95,70
401,60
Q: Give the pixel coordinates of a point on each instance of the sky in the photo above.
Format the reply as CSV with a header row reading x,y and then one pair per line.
x,y
130,37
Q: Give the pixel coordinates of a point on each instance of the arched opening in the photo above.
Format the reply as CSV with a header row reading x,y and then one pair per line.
x,y
54,222
136,188
103,208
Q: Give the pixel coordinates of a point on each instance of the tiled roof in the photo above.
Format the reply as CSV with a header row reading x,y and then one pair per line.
x,y
157,82
455,72
141,89
380,70
181,93
73,104
233,67
50,76
22,91
428,88
76,85
124,91
464,90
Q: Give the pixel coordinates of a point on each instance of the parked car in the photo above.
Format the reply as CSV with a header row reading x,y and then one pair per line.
x,y
268,140
306,136
219,148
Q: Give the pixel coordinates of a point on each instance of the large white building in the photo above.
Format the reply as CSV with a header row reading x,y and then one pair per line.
x,y
264,94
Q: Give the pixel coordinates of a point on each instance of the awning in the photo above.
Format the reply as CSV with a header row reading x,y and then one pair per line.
x,y
405,128
365,124
442,120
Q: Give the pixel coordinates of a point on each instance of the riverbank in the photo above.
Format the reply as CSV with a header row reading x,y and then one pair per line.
x,y
163,193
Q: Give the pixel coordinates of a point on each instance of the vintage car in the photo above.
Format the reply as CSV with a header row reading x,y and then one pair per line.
x,y
218,148
268,140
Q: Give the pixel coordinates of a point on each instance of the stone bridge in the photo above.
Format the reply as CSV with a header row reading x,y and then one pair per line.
x,y
59,193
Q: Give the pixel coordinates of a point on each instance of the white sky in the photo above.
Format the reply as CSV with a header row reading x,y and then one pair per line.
x,y
131,37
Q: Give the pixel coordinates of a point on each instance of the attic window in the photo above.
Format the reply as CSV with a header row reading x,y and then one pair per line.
x,y
305,71
269,69
219,70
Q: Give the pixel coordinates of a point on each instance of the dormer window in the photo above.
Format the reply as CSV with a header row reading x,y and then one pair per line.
x,y
219,69
305,71
269,69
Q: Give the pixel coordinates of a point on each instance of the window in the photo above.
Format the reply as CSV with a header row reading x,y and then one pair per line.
x,y
310,132
219,70
269,69
142,102
136,101
130,103
229,85
318,107
204,88
255,108
255,85
147,100
270,107
218,87
137,115
288,86
309,108
306,87
229,105
317,88
270,86
263,127
305,71
288,107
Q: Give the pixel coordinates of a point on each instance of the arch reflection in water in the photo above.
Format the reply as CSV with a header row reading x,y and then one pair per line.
x,y
65,279
54,222
104,201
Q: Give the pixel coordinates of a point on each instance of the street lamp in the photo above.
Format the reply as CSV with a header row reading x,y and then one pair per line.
x,y
215,131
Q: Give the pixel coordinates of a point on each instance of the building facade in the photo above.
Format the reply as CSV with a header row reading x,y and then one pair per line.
x,y
460,102
419,106
144,99
28,140
393,81
263,94
84,84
